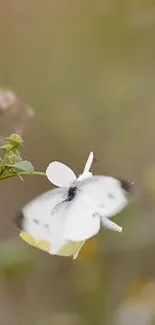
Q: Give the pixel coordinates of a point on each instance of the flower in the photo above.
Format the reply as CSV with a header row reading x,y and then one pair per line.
x,y
63,176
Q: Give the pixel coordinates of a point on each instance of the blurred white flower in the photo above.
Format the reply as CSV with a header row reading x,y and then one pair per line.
x,y
138,308
14,115
7,99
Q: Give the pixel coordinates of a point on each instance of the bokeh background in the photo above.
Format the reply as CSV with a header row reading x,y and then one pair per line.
x,y
85,71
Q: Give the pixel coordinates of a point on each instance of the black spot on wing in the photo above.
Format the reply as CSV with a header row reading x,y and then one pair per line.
x,y
18,221
127,186
35,221
111,196
47,227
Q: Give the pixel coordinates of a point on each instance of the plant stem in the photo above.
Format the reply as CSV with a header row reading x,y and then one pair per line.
x,y
23,174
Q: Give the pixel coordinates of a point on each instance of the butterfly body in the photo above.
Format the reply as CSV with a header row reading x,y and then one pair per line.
x,y
71,193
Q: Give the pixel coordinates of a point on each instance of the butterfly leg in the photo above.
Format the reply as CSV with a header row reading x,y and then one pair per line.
x,y
106,223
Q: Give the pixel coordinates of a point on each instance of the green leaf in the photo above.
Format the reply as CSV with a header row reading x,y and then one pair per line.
x,y
24,165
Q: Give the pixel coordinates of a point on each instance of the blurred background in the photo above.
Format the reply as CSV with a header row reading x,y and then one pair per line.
x,y
77,76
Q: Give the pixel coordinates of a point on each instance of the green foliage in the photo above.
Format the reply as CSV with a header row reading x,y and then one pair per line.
x,y
23,165
12,164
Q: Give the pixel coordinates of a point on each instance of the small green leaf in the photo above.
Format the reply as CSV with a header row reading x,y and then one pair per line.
x,y
24,165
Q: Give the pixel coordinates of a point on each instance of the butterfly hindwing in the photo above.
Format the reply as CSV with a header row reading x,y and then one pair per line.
x,y
81,221
35,216
68,249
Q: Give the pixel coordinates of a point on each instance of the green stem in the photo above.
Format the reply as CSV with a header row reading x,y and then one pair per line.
x,y
23,174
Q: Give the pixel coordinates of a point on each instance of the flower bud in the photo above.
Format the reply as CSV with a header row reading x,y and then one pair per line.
x,y
15,140
7,147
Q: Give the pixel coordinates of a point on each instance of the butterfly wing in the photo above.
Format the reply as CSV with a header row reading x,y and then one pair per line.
x,y
106,194
71,248
81,223
34,217
68,249
96,196
42,224
41,244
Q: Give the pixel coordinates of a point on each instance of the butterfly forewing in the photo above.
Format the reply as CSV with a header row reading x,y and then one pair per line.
x,y
105,193
37,214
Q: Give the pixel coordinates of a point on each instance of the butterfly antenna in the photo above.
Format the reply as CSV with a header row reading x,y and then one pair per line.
x,y
95,159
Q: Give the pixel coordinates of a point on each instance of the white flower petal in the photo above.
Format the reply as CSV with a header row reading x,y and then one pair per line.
x,y
88,163
86,173
60,174
84,176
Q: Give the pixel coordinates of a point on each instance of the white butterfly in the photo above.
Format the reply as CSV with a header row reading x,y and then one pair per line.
x,y
74,212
